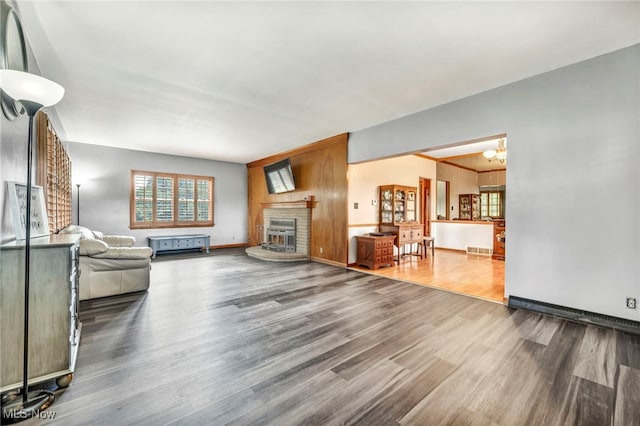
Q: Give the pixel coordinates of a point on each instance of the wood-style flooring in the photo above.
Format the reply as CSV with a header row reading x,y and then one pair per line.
x,y
470,274
228,339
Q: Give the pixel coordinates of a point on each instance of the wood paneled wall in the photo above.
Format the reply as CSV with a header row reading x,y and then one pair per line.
x,y
320,170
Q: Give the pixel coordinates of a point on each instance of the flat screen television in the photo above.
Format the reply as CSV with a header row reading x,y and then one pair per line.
x,y
279,177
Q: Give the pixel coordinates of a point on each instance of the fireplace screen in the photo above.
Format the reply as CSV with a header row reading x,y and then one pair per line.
x,y
281,235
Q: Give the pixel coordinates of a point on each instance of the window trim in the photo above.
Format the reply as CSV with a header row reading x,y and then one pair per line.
x,y
176,223
501,196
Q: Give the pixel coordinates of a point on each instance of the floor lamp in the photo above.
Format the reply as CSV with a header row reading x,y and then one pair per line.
x,y
33,92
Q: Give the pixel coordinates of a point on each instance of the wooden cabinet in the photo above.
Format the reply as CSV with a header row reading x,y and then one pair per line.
x,y
375,251
499,239
469,207
53,307
398,204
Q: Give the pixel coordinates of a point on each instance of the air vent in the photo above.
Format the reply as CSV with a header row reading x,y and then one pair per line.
x,y
479,250
575,314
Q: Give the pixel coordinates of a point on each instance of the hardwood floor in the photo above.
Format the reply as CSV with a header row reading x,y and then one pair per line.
x,y
228,339
474,275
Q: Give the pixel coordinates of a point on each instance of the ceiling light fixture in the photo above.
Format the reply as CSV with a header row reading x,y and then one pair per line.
x,y
500,154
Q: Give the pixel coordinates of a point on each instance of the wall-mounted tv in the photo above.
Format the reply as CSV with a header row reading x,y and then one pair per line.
x,y
279,177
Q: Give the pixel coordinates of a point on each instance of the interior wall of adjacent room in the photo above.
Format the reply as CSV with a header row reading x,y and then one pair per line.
x,y
574,153
492,178
366,178
461,181
104,175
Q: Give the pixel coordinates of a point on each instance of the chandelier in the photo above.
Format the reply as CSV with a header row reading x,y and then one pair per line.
x,y
499,154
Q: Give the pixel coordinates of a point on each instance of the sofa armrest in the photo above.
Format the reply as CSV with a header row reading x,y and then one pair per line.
x,y
125,253
119,240
91,247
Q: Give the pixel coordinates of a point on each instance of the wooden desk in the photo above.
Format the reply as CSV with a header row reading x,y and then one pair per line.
x,y
409,233
375,251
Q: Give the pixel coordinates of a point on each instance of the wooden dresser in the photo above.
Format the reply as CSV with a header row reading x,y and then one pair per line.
x,y
53,325
375,251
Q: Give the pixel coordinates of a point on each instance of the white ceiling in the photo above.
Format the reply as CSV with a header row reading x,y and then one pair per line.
x,y
469,155
241,81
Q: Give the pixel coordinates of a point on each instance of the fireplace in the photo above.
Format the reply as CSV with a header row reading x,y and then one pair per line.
x,y
281,235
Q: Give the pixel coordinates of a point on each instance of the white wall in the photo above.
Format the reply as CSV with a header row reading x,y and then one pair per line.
x,y
574,152
459,236
104,174
366,178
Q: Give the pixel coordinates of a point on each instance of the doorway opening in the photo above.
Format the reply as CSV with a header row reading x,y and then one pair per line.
x,y
464,244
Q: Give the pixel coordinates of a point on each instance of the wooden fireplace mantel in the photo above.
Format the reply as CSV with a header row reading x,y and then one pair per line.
x,y
298,204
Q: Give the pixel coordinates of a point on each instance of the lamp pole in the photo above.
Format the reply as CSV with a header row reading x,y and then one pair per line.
x,y
78,204
33,92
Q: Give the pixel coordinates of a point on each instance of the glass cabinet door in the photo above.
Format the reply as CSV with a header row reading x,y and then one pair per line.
x,y
411,206
386,206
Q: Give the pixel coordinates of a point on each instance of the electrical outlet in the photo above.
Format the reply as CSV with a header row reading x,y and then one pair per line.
x,y
374,202
631,303
355,206
321,250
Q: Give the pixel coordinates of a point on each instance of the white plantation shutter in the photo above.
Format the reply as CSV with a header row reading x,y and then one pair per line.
x,y
143,190
186,200
164,199
204,200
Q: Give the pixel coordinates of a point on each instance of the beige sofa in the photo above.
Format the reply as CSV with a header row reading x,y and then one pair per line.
x,y
109,264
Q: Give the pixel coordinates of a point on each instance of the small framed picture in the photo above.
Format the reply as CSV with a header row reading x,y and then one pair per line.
x,y
18,201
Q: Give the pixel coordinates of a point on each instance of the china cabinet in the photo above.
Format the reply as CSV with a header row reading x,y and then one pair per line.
x,y
469,206
397,204
398,214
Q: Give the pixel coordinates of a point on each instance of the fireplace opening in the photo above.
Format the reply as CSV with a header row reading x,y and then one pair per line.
x,y
281,235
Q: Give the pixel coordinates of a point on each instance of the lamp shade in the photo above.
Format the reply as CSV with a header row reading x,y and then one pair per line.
x,y
23,86
490,153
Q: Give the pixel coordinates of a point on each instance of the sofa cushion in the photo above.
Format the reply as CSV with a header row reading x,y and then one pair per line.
x,y
124,253
92,247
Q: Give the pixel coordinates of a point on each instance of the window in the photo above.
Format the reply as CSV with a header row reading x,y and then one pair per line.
x,y
492,204
166,200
